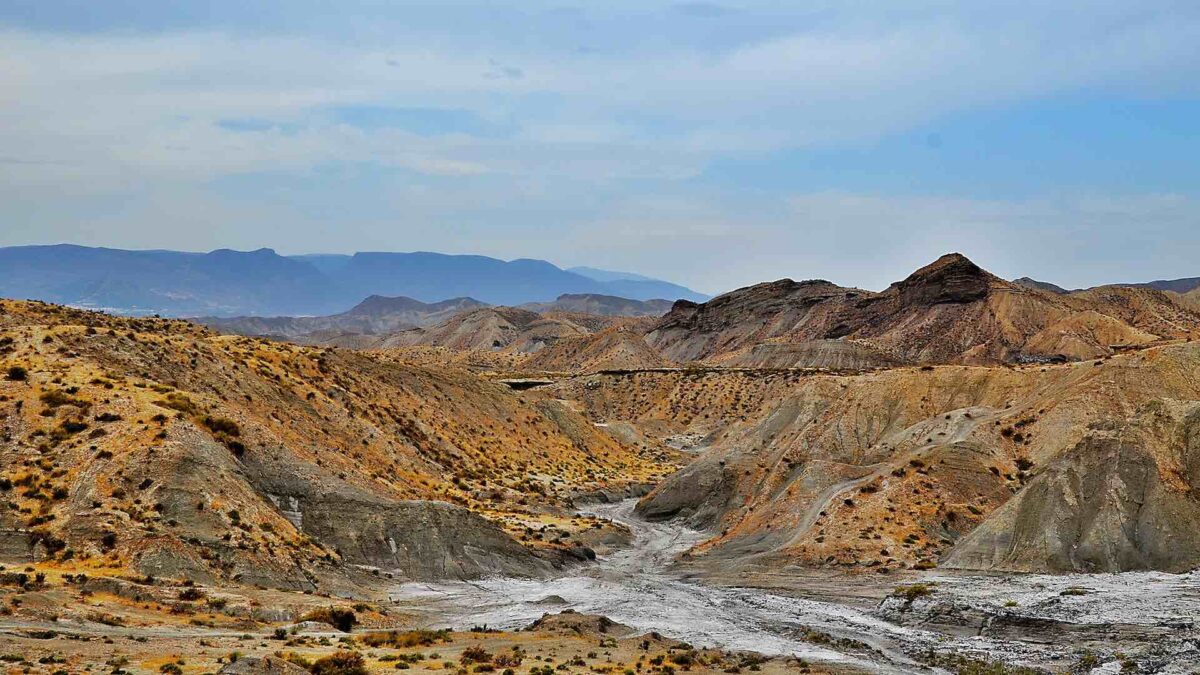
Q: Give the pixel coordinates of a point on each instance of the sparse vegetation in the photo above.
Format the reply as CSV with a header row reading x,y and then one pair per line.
x,y
341,618
340,663
913,591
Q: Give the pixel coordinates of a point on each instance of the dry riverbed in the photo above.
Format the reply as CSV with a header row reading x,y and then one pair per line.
x,y
635,611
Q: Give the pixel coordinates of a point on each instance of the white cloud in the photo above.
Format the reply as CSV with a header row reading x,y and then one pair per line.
x,y
872,240
607,104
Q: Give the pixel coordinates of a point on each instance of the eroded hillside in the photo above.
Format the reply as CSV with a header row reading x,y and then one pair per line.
x,y
161,447
925,466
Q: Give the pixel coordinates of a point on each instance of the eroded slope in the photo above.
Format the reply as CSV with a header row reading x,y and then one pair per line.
x,y
159,446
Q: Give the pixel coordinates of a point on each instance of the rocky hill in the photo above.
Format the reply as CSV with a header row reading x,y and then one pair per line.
x,y
601,305
1040,285
1191,299
620,347
160,447
377,315
492,328
950,311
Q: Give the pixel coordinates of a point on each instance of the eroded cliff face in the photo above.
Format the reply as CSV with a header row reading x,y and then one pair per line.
x,y
926,466
1124,498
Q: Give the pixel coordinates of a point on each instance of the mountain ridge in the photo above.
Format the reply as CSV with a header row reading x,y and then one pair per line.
x,y
263,283
950,311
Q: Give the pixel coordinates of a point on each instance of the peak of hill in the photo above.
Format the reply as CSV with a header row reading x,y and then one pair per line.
x,y
264,283
619,347
601,305
1028,282
950,311
379,305
376,315
490,329
951,279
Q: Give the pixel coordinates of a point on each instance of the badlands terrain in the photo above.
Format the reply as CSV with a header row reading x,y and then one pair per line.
x,y
957,474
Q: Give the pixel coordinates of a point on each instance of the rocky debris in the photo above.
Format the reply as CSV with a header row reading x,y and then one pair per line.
x,y
418,540
700,493
571,622
1055,620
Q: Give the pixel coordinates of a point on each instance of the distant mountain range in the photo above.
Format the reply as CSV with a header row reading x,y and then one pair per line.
x,y
264,283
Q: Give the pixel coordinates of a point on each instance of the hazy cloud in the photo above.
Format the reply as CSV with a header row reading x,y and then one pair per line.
x,y
571,134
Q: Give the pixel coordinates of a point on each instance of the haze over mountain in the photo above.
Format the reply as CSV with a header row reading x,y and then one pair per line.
x,y
264,283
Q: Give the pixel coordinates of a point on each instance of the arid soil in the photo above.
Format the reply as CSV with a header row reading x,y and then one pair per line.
x,y
931,477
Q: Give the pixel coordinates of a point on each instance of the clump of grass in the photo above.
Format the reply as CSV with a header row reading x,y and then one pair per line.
x,y
475,655
221,425
177,401
406,639
340,618
913,591
55,398
340,663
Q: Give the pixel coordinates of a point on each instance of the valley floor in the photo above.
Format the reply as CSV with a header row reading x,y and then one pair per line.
x,y
664,617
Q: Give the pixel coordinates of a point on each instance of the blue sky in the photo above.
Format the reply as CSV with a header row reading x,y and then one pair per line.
x,y
714,144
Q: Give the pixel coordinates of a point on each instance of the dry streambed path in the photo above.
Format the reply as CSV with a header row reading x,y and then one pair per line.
x,y
640,587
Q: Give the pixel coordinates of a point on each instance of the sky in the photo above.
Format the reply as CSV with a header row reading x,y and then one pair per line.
x,y
714,144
